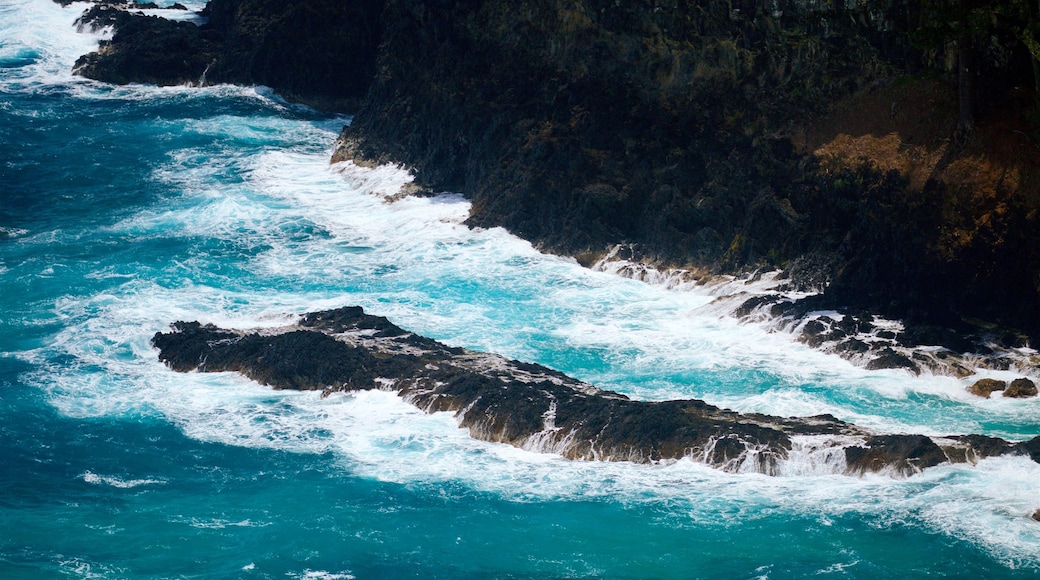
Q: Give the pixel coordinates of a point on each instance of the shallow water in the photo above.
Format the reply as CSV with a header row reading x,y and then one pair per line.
x,y
123,209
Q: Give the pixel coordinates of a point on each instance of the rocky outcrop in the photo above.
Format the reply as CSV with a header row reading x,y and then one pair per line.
x,y
537,408
1021,389
862,337
1018,389
144,49
984,387
320,52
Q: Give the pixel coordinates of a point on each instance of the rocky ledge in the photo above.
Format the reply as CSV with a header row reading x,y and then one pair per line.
x,y
539,409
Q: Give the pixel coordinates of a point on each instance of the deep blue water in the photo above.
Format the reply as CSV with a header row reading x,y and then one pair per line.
x,y
123,209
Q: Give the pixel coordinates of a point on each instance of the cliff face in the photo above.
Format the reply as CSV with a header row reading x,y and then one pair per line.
x,y
705,135
584,124
678,128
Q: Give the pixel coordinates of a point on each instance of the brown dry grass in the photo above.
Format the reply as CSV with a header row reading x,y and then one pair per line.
x,y
908,127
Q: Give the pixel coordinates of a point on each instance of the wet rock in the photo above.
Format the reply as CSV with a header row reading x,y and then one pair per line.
x,y
983,387
813,333
978,446
906,454
890,359
144,49
852,346
813,328
928,335
528,405
1036,515
1030,448
1021,389
752,304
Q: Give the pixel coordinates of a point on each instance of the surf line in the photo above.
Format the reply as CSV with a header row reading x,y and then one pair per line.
x,y
539,409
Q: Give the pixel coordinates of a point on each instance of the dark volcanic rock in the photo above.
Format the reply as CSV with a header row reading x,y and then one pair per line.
x,y
904,453
320,52
531,406
890,359
144,49
1030,448
670,127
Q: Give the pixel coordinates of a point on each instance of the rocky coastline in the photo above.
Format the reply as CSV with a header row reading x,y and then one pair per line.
x,y
539,409
768,300
705,139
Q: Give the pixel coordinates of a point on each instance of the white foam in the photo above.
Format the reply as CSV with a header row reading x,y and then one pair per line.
x,y
93,478
309,574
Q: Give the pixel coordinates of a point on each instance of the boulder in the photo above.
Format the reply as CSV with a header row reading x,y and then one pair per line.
x,y
983,387
1021,389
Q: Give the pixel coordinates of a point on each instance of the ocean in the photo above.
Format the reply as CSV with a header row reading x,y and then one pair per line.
x,y
123,209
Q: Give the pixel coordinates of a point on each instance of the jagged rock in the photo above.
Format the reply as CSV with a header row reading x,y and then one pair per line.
x,y
928,335
1020,389
852,346
145,49
1030,448
1036,515
983,387
531,406
752,304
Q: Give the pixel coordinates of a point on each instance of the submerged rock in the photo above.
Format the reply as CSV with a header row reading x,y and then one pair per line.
x,y
537,408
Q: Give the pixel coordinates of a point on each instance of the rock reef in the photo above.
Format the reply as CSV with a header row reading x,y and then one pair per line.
x,y
539,409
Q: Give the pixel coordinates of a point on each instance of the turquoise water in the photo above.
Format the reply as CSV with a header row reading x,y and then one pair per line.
x,y
125,208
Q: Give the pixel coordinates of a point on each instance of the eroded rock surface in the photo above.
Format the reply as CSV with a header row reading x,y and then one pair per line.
x,y
536,408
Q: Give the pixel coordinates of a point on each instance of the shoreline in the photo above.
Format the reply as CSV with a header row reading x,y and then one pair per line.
x,y
864,338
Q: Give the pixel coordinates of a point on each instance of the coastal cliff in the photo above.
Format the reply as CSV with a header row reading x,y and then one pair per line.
x,y
819,138
708,137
